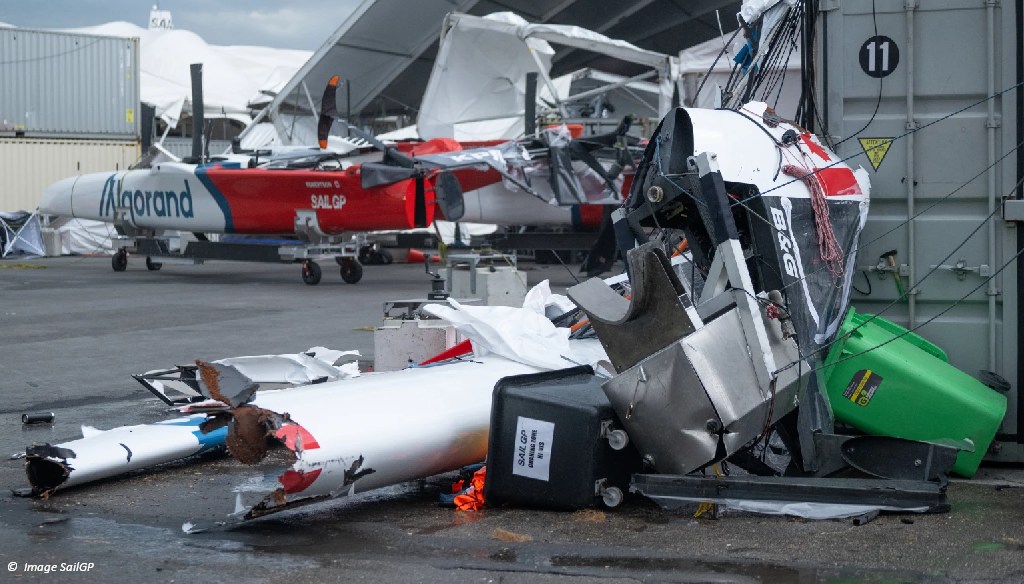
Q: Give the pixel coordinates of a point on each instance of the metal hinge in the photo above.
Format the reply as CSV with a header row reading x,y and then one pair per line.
x,y
1013,210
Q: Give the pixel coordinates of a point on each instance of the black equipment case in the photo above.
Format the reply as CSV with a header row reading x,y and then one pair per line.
x,y
555,442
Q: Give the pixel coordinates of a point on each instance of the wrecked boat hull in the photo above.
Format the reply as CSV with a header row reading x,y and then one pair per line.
x,y
376,430
103,454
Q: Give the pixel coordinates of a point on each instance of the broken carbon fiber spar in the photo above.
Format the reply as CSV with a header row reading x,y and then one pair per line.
x,y
373,431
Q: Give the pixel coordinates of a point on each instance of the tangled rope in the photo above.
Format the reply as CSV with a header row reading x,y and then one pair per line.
x,y
828,247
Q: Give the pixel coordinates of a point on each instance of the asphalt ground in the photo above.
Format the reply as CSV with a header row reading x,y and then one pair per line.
x,y
72,331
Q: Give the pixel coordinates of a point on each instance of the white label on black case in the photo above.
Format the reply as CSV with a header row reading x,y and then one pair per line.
x,y
533,448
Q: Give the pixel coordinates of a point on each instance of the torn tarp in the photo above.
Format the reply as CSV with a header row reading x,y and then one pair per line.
x,y
526,334
102,454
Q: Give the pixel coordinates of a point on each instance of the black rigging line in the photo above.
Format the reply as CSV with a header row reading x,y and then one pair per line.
x,y
712,67
913,285
908,331
901,136
878,102
922,211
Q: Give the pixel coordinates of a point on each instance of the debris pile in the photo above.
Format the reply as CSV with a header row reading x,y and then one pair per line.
x,y
708,372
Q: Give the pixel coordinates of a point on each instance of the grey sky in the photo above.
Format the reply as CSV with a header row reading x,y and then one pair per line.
x,y
272,23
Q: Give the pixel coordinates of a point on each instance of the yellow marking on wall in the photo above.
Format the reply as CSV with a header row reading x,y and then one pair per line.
x,y
876,149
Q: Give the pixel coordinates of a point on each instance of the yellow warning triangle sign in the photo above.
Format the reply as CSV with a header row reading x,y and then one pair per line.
x,y
876,149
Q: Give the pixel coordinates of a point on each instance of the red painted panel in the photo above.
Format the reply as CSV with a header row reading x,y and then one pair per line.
x,y
295,481
838,181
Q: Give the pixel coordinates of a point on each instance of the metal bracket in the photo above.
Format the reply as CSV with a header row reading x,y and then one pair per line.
x,y
673,491
883,269
961,269
307,226
729,267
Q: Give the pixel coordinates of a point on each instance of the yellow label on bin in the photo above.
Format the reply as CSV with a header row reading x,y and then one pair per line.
x,y
862,387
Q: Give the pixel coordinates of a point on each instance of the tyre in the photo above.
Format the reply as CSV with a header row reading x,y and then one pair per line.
x,y
119,261
385,257
366,254
311,273
351,271
151,265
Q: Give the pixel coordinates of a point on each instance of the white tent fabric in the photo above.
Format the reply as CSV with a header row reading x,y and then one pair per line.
x,y
696,62
234,77
85,237
478,85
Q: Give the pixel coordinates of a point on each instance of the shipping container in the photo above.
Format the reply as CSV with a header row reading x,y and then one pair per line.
x,y
182,147
66,85
926,97
28,166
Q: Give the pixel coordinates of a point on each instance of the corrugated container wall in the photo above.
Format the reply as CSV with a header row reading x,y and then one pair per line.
x,y
28,166
68,85
926,96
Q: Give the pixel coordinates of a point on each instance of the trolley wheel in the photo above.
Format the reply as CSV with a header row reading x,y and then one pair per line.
x,y
351,271
151,265
385,257
120,260
311,272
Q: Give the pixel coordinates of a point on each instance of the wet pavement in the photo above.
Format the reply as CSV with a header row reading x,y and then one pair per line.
x,y
72,332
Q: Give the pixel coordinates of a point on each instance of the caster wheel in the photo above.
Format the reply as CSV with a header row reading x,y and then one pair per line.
x,y
384,257
120,261
311,273
351,271
151,265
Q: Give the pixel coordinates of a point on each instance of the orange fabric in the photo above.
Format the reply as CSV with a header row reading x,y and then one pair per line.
x,y
472,499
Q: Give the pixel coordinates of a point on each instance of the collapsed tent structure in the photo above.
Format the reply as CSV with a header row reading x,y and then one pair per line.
x,y
477,89
478,86
20,233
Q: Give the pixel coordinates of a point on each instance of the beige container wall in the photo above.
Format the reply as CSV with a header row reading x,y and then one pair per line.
x,y
28,166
